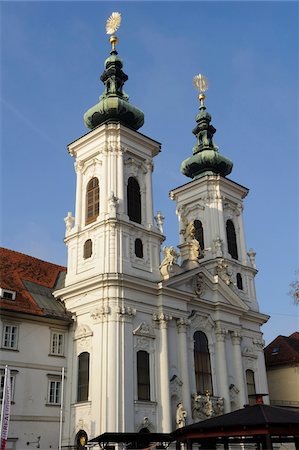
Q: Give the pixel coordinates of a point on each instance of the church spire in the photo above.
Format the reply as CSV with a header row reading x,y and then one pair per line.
x,y
206,159
114,103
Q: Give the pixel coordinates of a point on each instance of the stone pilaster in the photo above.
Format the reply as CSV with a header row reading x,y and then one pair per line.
x,y
239,371
162,321
222,378
182,325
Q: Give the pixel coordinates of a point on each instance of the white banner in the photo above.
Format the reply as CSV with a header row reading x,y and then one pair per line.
x,y
5,413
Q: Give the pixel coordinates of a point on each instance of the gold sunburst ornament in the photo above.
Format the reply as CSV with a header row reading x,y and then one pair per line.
x,y
113,24
201,83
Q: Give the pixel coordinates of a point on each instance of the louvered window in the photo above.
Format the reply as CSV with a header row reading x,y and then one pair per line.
x,y
138,248
239,281
83,377
203,374
87,249
250,383
143,375
134,200
92,200
199,233
231,239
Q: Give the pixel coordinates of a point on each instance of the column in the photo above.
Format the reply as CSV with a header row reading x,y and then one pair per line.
x,y
222,378
239,371
184,366
112,359
126,397
149,194
242,243
261,383
79,194
120,180
162,320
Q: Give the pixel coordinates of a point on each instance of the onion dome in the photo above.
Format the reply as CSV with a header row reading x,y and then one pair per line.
x,y
206,159
114,103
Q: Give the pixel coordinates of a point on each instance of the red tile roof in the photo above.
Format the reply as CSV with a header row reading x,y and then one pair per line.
x,y
283,350
15,268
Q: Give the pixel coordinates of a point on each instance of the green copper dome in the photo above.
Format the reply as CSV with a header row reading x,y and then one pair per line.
x,y
114,103
206,159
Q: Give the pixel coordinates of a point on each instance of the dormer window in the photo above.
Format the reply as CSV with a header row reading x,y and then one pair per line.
x,y
92,201
7,294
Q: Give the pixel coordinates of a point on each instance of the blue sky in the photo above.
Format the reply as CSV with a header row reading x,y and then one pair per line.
x,y
52,55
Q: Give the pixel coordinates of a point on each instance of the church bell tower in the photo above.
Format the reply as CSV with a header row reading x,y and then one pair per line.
x,y
114,229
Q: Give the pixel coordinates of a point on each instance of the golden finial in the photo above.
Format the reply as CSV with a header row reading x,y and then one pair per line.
x,y
201,83
112,24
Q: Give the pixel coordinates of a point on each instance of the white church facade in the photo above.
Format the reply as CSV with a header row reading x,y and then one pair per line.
x,y
153,343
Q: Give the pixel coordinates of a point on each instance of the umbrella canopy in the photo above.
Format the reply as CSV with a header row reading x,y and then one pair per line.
x,y
251,420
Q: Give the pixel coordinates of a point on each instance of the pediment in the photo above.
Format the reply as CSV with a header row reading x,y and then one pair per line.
x,y
200,283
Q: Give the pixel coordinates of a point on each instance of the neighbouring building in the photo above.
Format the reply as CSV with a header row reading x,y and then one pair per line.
x,y
149,345
282,364
34,344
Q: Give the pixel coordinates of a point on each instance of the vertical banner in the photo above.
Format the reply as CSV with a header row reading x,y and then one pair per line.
x,y
5,411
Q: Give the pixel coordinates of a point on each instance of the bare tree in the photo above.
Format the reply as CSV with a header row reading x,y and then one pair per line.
x,y
294,291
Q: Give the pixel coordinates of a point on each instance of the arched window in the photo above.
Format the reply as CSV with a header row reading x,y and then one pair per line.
x,y
239,281
134,200
199,233
83,377
231,239
143,375
81,440
202,364
138,248
92,200
250,383
87,252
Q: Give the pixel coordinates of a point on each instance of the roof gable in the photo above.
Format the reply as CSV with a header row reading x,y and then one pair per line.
x,y
214,288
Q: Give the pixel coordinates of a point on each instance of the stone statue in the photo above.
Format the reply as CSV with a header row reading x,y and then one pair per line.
x,y
206,406
169,265
223,272
159,218
69,222
181,415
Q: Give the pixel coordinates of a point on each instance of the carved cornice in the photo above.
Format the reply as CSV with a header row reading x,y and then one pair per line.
x,y
236,337
162,319
182,324
100,313
220,333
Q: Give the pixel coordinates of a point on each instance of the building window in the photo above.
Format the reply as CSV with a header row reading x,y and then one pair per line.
x,y
10,337
92,200
239,281
57,343
87,249
143,375
199,233
12,384
54,392
134,200
231,239
138,248
202,364
83,377
251,392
